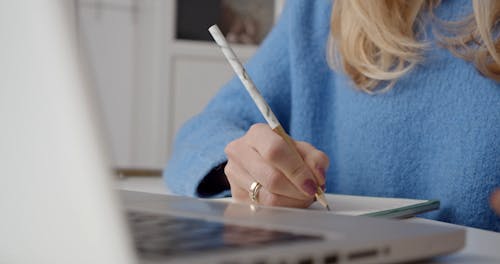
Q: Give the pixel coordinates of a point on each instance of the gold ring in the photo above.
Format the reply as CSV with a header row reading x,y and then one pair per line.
x,y
254,191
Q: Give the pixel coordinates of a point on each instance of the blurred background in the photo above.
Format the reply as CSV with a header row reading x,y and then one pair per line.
x,y
154,65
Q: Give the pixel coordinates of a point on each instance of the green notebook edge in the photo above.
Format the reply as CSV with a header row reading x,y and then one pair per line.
x,y
407,211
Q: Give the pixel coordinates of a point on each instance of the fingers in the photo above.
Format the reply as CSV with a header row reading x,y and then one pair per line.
x,y
317,160
246,160
237,177
289,175
271,199
272,148
240,182
495,201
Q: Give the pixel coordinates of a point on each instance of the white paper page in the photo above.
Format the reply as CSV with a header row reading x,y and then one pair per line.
x,y
358,205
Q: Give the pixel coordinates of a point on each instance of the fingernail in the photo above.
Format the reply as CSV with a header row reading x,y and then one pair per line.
x,y
321,172
309,186
495,200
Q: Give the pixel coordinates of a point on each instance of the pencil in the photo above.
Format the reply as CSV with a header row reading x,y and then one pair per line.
x,y
264,108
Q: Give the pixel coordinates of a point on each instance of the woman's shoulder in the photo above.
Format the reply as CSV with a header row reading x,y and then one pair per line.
x,y
307,22
317,11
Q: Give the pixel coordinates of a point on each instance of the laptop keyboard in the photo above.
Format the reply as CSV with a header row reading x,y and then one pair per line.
x,y
165,236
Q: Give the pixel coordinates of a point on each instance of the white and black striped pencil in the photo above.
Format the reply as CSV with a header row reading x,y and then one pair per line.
x,y
264,108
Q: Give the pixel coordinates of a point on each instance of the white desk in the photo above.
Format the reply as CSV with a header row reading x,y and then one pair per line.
x,y
480,246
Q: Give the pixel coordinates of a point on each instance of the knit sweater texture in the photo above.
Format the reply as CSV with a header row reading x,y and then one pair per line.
x,y
434,135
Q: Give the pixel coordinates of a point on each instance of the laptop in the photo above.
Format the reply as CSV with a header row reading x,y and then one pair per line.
x,y
58,204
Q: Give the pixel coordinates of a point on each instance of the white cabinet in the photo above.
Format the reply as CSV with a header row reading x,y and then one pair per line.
x,y
194,80
199,70
148,83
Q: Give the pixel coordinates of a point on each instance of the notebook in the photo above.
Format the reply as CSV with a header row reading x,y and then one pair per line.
x,y
377,206
372,206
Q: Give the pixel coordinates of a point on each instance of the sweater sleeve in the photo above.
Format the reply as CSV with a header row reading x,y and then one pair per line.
x,y
199,144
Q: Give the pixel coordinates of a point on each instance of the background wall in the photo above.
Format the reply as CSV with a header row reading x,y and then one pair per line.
x,y
148,81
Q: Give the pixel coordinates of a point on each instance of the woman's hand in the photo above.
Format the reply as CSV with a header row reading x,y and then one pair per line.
x,y
263,156
495,201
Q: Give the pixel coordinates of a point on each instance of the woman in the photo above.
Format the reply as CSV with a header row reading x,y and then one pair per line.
x,y
383,98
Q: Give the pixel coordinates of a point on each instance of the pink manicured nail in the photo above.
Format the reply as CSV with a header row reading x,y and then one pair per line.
x,y
309,186
321,172
495,201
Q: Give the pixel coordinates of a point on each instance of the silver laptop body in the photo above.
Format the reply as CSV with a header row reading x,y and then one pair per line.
x,y
222,232
58,205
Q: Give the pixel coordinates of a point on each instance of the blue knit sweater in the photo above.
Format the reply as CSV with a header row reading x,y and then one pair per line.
x,y
435,135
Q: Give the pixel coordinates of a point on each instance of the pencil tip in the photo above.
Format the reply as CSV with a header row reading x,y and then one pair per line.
x,y
327,207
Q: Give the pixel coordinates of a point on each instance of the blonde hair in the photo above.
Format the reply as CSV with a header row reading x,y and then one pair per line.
x,y
376,42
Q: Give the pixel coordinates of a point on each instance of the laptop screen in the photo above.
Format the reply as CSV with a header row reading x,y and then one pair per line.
x,y
167,236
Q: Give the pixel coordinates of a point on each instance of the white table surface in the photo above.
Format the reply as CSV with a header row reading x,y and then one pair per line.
x,y
480,246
